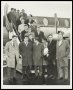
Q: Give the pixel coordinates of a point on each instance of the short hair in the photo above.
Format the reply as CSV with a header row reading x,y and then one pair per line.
x,y
36,38
14,36
50,35
12,8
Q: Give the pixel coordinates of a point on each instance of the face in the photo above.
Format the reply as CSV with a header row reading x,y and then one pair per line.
x,y
26,28
60,37
26,39
50,38
12,10
38,28
14,39
23,11
22,21
18,11
30,37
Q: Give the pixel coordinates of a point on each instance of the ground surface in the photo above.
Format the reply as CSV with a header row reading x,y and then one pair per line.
x,y
32,81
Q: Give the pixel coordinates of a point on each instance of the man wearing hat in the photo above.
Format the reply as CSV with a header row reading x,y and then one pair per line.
x,y
62,53
12,52
25,50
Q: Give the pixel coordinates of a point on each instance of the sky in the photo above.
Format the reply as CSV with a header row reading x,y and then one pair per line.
x,y
42,8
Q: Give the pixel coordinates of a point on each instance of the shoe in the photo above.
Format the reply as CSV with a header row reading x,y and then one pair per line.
x,y
10,81
50,76
14,78
60,78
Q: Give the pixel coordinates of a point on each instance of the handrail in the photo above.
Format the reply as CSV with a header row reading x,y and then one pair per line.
x,y
17,33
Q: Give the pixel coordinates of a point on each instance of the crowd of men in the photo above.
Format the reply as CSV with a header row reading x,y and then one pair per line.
x,y
48,57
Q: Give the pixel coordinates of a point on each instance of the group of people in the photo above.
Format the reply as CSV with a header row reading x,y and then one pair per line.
x,y
15,17
48,57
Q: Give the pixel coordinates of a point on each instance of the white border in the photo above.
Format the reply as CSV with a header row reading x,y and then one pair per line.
x,y
34,86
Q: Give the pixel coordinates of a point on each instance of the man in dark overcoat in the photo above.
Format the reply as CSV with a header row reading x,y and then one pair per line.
x,y
25,50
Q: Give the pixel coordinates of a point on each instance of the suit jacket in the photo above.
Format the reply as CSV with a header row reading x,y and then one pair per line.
x,y
11,17
40,35
62,50
26,52
62,54
38,54
11,53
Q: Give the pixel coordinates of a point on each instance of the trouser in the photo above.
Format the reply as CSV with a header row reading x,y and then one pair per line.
x,y
51,68
11,72
62,70
26,71
45,71
38,70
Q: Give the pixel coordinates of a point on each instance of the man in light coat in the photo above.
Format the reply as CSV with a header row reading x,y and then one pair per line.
x,y
62,57
12,52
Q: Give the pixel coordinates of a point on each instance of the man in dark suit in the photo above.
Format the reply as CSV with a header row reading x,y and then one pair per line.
x,y
11,16
37,57
39,34
52,55
25,50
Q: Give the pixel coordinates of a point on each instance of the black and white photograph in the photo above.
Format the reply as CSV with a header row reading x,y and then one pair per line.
x,y
36,44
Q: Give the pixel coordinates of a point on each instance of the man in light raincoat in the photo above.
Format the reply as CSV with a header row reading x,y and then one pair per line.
x,y
12,52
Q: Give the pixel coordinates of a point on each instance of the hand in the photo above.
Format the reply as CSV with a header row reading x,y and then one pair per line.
x,y
20,56
47,55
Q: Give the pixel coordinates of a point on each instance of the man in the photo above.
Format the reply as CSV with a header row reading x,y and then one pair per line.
x,y
24,14
34,26
31,40
11,16
52,56
22,29
17,14
12,52
62,56
18,22
37,57
25,49
39,34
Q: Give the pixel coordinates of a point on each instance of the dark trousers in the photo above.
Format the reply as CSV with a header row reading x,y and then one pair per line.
x,y
51,68
45,69
38,70
11,72
26,71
